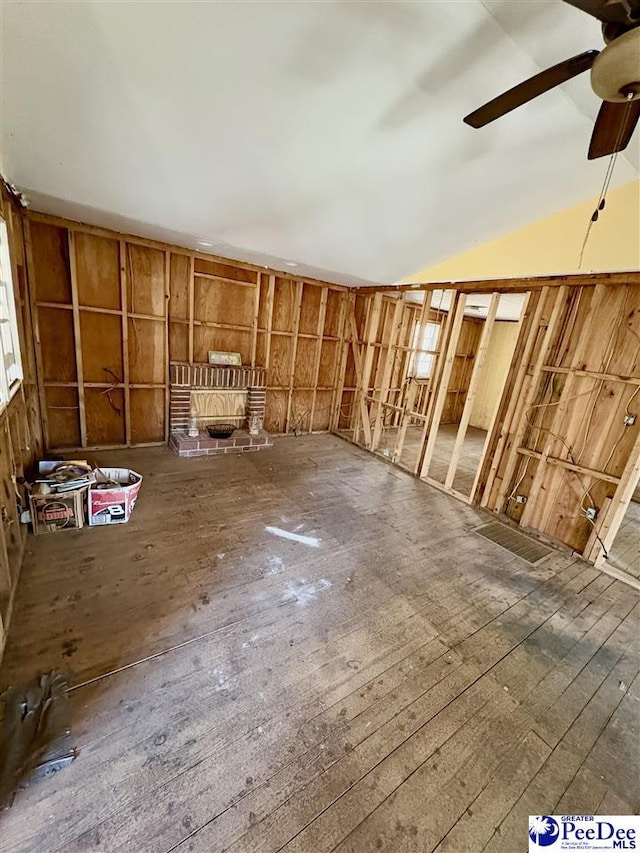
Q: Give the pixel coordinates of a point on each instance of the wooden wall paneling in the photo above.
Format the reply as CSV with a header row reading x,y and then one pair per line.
x,y
299,293
100,337
312,298
300,413
321,314
334,313
221,269
178,341
507,485
225,304
457,309
285,303
104,412
49,250
592,425
37,349
552,437
124,322
145,280
271,288
478,364
61,405
57,345
276,410
305,364
256,317
77,339
280,362
328,362
179,281
97,271
321,414
213,337
147,416
146,352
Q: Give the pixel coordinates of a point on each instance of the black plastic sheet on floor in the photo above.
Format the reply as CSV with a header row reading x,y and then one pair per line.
x,y
35,729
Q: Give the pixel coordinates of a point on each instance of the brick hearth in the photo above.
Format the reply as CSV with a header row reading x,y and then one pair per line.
x,y
188,379
203,445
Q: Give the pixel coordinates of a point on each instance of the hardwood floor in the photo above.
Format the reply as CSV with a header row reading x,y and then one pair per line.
x,y
469,460
389,682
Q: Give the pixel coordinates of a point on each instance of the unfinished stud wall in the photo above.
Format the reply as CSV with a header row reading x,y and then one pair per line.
x,y
112,310
20,439
567,448
557,443
380,348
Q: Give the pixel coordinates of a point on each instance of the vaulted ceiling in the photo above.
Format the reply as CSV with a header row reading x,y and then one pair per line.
x,y
323,134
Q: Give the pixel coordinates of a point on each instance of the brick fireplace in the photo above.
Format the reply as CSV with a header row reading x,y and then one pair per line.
x,y
203,394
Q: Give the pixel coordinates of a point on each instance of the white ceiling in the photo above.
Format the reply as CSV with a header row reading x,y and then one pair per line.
x,y
324,133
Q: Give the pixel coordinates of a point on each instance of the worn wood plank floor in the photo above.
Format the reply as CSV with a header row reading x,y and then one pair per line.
x,y
399,684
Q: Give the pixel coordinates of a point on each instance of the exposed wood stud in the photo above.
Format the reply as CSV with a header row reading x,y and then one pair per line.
x,y
32,295
529,397
125,340
294,351
167,297
515,285
318,352
457,309
474,381
386,375
77,339
191,308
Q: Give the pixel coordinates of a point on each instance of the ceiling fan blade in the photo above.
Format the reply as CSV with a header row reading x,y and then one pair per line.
x,y
610,11
613,128
531,88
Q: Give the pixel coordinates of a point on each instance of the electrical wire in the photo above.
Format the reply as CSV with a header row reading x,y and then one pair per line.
x,y
607,179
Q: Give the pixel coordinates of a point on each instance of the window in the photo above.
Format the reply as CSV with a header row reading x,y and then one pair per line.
x,y
10,364
425,341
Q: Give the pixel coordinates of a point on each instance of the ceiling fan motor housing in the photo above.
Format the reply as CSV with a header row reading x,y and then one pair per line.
x,y
615,73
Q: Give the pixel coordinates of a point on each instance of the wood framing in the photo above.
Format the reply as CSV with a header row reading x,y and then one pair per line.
x,y
515,285
112,310
457,311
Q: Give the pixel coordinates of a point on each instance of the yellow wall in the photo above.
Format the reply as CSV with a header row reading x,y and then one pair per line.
x,y
552,245
494,372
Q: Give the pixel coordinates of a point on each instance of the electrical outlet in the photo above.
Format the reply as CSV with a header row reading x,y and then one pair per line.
x,y
521,499
629,420
591,513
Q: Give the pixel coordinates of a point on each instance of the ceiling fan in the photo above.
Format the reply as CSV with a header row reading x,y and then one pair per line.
x,y
615,77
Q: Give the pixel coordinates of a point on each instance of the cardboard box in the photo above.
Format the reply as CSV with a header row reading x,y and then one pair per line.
x,y
111,504
55,512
